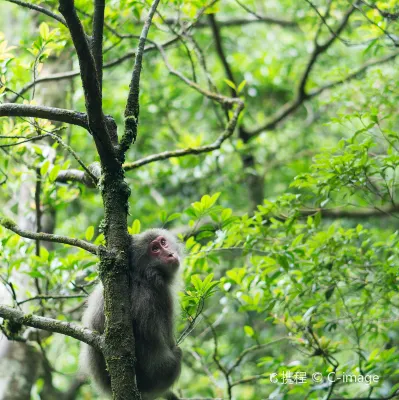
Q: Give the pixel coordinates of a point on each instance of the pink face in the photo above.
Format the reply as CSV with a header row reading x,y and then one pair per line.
x,y
160,249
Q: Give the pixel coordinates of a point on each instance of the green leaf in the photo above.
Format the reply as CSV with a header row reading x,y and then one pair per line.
x,y
196,282
241,86
173,216
44,31
249,331
44,168
298,240
54,173
89,233
136,227
329,292
44,254
163,216
226,214
317,219
230,83
236,274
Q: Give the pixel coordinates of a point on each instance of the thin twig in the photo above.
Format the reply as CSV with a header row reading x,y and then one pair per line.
x,y
52,297
191,150
132,109
39,9
32,139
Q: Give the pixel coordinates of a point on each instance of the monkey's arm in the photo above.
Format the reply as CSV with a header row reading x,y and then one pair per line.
x,y
94,315
92,361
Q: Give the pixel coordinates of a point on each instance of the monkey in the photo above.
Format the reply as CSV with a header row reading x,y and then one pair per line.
x,y
155,258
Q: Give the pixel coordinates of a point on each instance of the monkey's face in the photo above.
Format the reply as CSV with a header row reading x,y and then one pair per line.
x,y
163,253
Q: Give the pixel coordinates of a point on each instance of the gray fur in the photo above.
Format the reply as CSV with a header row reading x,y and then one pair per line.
x,y
154,291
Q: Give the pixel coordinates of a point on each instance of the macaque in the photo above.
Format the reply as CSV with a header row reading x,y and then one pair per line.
x,y
155,261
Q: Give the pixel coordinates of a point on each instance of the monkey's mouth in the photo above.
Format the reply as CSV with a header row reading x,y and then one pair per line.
x,y
172,260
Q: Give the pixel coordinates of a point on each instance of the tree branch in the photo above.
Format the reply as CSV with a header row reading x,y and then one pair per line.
x,y
245,352
355,74
74,74
220,51
48,237
196,150
248,380
39,9
290,107
31,139
132,106
75,175
97,43
52,297
88,172
241,21
335,213
52,325
261,18
321,48
49,78
211,95
96,119
50,113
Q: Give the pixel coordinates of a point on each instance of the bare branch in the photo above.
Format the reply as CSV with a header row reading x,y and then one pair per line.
x,y
249,350
248,380
75,175
259,18
335,213
49,78
52,325
96,119
47,237
52,297
73,74
50,113
39,9
199,398
71,151
97,43
220,51
196,150
132,106
211,95
31,139
242,21
355,74
321,48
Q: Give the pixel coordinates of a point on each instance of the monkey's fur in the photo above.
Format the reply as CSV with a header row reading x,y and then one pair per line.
x,y
154,270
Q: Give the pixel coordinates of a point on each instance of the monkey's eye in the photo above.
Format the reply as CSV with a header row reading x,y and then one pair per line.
x,y
163,242
155,249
